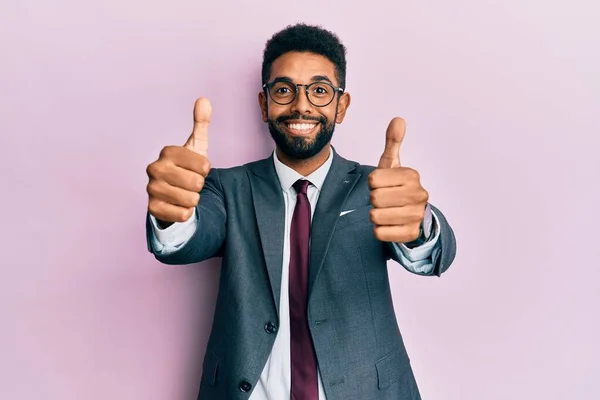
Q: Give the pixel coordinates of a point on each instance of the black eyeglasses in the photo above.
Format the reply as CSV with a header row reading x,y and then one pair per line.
x,y
319,94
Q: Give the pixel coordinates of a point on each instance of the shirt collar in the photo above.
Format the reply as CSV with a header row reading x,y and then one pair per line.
x,y
287,176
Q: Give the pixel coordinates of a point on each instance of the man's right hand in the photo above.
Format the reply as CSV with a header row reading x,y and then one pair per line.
x,y
177,177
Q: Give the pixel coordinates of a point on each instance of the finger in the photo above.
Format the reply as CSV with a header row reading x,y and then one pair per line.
x,y
168,212
183,178
397,196
394,136
172,194
184,158
397,215
198,140
388,177
397,233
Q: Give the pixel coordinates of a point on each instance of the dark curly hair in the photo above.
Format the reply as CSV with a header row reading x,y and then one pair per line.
x,y
305,38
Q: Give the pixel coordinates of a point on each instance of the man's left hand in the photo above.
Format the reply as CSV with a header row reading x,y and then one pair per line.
x,y
397,197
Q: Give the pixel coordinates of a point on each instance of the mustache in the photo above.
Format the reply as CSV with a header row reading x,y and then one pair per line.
x,y
283,118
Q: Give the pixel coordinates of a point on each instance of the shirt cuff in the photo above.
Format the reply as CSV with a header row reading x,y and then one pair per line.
x,y
424,251
170,239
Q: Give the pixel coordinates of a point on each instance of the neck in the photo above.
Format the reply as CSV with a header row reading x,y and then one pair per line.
x,y
306,166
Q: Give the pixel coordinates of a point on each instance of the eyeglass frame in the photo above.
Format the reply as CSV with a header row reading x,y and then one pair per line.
x,y
267,88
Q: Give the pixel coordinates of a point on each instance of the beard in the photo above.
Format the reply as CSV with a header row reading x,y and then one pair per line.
x,y
297,147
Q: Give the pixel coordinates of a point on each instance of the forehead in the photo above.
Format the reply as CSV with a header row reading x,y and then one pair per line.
x,y
301,67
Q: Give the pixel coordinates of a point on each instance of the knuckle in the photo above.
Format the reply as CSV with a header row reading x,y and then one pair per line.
x,y
185,214
420,213
374,197
157,169
152,187
409,172
166,152
373,178
151,170
153,208
199,164
373,216
194,199
377,231
198,183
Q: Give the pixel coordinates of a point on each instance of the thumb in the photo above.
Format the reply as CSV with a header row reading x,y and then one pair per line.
x,y
198,140
393,140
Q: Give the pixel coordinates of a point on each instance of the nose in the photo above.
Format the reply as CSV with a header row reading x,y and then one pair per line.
x,y
301,105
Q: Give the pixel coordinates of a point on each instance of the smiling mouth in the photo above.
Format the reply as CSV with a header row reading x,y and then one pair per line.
x,y
303,128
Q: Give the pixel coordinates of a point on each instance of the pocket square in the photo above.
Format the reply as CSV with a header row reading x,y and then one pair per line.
x,y
345,212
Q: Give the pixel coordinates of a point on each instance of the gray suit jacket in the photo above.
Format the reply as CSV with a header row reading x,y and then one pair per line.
x,y
359,347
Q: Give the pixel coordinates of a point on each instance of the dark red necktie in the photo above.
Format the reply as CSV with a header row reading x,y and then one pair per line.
x,y
303,358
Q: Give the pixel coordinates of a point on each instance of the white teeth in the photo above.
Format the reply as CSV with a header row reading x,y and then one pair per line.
x,y
302,127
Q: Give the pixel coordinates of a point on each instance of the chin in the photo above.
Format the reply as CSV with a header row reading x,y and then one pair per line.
x,y
305,140
300,142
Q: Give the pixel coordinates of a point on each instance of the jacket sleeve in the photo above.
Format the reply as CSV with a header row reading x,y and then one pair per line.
x,y
209,235
441,256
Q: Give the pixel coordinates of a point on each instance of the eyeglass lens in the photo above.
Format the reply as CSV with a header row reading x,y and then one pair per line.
x,y
319,93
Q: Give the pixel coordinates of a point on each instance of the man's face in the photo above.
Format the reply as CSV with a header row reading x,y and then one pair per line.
x,y
300,129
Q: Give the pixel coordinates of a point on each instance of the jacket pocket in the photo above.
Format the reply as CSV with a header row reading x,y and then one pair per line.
x,y
358,217
210,368
392,367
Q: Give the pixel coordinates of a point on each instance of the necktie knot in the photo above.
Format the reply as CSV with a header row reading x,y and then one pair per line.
x,y
301,185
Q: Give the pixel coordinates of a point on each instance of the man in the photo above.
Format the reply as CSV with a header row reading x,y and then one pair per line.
x,y
304,309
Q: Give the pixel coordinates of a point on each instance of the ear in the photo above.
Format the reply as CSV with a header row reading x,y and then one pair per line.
x,y
343,105
262,103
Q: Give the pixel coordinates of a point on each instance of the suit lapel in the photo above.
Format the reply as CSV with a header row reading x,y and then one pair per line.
x,y
270,218
338,184
269,206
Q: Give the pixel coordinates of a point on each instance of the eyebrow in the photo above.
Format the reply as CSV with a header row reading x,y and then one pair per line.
x,y
318,78
315,78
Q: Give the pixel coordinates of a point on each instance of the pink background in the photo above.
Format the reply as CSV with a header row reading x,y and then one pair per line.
x,y
502,104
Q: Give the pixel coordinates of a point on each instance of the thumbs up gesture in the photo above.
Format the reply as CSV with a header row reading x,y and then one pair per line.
x,y
397,197
177,177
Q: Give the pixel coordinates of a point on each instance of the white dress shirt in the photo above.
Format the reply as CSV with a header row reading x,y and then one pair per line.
x,y
275,380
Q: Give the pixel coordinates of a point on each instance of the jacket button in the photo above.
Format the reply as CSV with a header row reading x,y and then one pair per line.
x,y
245,386
270,327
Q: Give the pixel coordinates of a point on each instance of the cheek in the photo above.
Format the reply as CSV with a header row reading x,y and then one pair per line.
x,y
274,111
330,114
